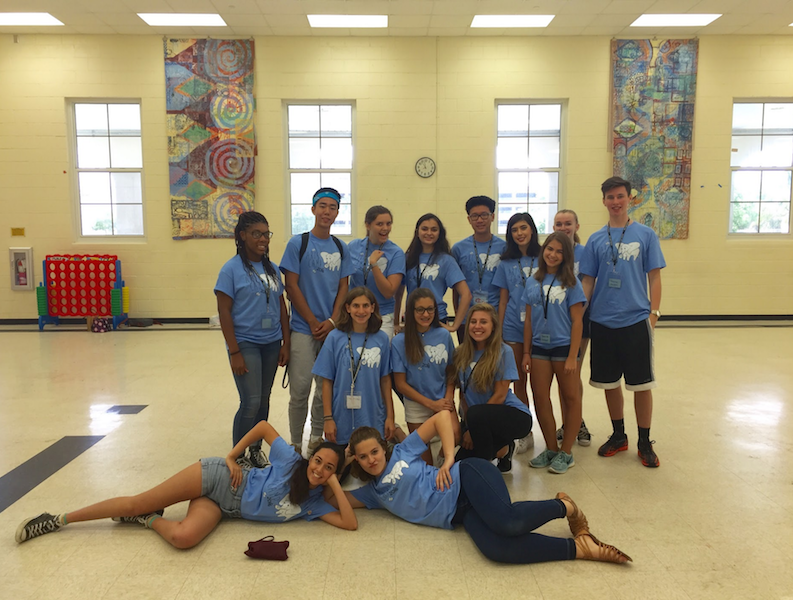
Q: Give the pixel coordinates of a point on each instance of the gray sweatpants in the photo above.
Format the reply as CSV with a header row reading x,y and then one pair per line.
x,y
303,353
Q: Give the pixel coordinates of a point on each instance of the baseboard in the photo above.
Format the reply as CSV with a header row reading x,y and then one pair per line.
x,y
81,321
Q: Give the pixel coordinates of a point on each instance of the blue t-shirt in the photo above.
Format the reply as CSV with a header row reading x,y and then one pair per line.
x,y
319,274
255,313
620,300
579,253
427,377
512,275
507,371
333,362
266,493
555,330
392,262
473,257
441,274
407,487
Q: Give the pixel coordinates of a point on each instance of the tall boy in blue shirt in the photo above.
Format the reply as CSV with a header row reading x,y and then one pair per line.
x,y
316,274
620,262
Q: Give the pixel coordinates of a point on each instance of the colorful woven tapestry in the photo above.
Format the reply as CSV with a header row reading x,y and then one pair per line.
x,y
211,141
653,115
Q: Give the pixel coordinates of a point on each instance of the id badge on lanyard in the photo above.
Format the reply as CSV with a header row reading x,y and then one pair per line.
x,y
480,296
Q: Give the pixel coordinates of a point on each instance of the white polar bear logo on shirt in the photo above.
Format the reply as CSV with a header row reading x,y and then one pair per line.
x,y
369,356
438,354
270,281
286,510
396,473
428,271
382,263
527,271
628,251
332,260
557,294
490,262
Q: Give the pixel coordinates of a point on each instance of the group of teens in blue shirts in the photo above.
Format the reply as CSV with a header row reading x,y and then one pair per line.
x,y
518,314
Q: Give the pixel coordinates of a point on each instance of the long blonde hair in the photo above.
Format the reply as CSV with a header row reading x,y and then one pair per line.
x,y
489,364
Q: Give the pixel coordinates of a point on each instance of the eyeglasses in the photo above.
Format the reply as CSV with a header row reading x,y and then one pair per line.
x,y
261,234
422,310
480,217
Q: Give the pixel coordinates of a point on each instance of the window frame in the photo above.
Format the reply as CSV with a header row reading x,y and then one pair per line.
x,y
74,171
752,234
562,103
288,170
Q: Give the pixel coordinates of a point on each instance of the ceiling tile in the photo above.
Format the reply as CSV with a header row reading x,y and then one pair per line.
x,y
605,30
259,20
673,6
582,7
455,7
121,19
279,7
447,31
415,21
571,21
451,21
143,6
191,6
407,31
246,31
240,7
409,7
279,21
633,7
563,30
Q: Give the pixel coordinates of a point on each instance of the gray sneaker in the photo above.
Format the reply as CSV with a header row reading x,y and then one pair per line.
x,y
561,463
543,459
139,519
583,437
36,526
258,458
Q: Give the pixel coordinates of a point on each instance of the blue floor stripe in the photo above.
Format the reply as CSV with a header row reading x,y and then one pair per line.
x,y
20,481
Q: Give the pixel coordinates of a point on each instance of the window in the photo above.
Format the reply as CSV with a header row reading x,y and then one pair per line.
x,y
320,155
527,162
762,163
108,161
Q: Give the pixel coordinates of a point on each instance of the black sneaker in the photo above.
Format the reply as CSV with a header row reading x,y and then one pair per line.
x,y
560,435
36,526
613,445
647,454
584,438
139,519
243,461
505,463
257,458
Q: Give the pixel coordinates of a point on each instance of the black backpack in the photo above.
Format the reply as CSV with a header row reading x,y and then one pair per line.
x,y
304,245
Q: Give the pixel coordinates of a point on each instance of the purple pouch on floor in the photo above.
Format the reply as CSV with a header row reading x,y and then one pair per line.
x,y
268,549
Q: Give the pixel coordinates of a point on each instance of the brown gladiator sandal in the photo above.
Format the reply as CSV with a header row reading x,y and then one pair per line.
x,y
576,519
604,552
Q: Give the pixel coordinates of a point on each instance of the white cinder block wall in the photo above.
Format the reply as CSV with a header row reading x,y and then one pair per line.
x,y
413,97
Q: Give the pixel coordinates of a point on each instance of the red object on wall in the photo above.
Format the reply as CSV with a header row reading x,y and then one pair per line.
x,y
79,285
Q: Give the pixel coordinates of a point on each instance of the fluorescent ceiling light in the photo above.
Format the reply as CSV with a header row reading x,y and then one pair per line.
x,y
20,19
348,20
182,20
511,20
674,20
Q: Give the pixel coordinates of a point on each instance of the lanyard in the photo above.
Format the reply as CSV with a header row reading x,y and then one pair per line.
x,y
420,276
548,299
467,381
520,269
354,368
367,268
480,268
615,251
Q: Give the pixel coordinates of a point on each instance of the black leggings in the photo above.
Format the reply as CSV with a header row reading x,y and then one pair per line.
x,y
503,530
493,426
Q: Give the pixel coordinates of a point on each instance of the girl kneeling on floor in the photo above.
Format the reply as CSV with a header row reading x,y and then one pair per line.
x,y
290,488
471,492
492,415
554,302
355,367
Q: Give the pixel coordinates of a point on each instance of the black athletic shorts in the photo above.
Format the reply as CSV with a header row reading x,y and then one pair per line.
x,y
626,351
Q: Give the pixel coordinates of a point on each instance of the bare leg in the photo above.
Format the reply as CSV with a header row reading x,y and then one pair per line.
x,y
519,386
616,403
202,517
643,402
541,379
571,404
185,485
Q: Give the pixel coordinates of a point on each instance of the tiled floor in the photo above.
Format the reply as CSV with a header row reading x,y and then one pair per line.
x,y
715,521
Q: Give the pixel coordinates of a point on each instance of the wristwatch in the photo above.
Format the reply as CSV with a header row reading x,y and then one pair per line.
x,y
657,313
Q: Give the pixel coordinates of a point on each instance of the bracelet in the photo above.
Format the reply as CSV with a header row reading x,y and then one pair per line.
x,y
328,417
332,322
233,353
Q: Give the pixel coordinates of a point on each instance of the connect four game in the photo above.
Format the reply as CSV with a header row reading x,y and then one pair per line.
x,y
77,285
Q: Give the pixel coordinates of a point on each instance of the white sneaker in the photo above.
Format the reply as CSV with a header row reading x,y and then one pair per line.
x,y
525,444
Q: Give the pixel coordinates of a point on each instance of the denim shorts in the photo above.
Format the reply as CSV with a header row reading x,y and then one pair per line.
x,y
216,485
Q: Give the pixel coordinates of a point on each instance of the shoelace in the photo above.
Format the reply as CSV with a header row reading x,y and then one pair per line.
x,y
43,527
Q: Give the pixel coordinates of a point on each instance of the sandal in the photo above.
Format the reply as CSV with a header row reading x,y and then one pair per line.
x,y
604,552
576,519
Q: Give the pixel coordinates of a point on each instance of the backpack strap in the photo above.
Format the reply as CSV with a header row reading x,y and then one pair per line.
x,y
304,245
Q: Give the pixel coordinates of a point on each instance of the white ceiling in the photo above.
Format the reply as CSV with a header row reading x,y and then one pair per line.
x,y
406,17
